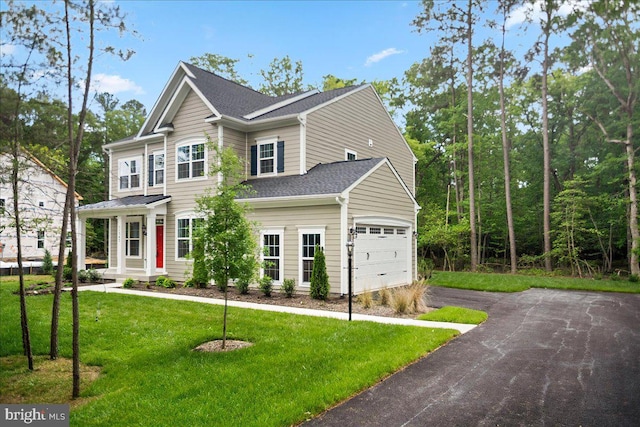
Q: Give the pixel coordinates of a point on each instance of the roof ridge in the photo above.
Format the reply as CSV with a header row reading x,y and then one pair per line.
x,y
228,80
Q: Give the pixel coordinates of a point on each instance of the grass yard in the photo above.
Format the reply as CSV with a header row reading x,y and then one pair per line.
x,y
494,282
456,315
298,366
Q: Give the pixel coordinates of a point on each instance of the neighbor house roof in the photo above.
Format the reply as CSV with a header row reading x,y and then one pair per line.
x,y
322,179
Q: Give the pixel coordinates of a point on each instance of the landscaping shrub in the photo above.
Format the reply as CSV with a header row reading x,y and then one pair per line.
x,y
160,280
67,273
169,283
418,291
47,262
319,287
242,286
366,299
401,300
266,285
200,275
289,287
634,278
83,276
384,297
189,283
128,283
94,275
67,261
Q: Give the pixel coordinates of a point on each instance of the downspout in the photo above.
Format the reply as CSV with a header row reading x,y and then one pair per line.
x,y
302,118
343,201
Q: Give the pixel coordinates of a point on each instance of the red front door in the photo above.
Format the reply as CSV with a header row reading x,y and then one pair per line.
x,y
159,246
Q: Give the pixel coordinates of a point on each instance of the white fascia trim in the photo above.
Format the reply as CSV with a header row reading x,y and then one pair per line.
x,y
254,125
269,202
178,98
386,161
168,88
280,104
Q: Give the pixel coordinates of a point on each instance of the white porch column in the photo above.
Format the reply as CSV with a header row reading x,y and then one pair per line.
x,y
150,251
120,246
81,228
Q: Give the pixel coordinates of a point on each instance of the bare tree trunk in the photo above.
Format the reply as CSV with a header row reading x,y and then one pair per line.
x,y
633,201
472,201
546,151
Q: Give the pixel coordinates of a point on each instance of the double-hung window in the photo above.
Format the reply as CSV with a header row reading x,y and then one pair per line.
x,y
272,252
40,239
310,240
132,239
2,206
186,227
129,173
267,156
156,169
191,161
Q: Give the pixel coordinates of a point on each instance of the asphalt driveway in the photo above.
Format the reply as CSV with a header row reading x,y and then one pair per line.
x,y
544,357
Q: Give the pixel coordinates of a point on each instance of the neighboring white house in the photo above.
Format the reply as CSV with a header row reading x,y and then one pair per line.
x,y
41,203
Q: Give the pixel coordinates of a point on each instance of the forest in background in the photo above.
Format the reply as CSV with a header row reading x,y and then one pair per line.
x,y
560,114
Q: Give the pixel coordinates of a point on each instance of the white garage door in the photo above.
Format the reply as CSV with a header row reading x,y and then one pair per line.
x,y
380,257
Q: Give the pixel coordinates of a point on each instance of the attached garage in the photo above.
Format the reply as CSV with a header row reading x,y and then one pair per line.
x,y
382,255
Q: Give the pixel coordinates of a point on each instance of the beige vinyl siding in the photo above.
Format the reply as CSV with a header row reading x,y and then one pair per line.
x,y
295,218
349,124
238,141
291,137
382,195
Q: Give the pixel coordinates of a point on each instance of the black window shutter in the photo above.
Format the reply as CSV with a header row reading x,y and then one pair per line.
x,y
254,160
280,156
151,170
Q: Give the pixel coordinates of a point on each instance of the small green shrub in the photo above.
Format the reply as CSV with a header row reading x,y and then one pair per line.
x,y
128,283
319,286
83,276
67,273
94,275
67,262
384,297
289,287
169,283
615,277
160,281
266,285
47,262
366,299
189,283
242,286
634,278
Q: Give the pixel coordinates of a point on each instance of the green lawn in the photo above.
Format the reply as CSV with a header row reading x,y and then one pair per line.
x,y
298,366
456,315
515,283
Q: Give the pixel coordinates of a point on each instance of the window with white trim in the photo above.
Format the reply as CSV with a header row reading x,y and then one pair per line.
x,y
272,252
40,239
267,157
2,206
350,155
132,239
186,227
156,168
190,160
41,204
129,172
310,239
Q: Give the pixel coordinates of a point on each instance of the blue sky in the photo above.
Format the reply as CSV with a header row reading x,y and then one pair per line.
x,y
366,40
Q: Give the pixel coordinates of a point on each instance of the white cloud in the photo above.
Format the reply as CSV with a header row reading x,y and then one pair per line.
x,y
535,13
377,57
114,84
7,49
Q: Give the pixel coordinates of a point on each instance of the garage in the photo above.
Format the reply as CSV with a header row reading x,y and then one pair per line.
x,y
381,257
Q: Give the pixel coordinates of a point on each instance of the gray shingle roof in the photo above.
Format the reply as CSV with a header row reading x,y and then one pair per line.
x,y
330,178
234,100
128,202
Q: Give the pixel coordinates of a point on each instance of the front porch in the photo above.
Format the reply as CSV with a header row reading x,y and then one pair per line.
x,y
137,238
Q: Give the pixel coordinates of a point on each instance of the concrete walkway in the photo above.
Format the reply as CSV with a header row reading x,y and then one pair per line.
x,y
116,288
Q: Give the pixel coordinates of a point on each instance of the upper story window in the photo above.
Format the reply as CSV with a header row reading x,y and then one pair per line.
x,y
350,155
129,172
41,204
156,168
40,239
267,157
2,206
190,159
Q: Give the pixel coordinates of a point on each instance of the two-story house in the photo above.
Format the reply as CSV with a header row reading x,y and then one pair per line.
x,y
41,207
320,164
